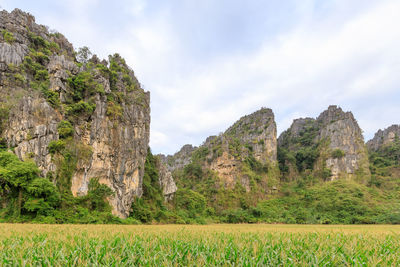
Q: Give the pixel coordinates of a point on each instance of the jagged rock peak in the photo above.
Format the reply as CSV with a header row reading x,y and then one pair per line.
x,y
256,119
344,133
252,137
297,127
259,130
23,27
339,138
384,137
334,113
179,159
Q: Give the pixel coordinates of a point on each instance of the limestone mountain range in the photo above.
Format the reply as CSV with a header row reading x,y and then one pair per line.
x,y
80,120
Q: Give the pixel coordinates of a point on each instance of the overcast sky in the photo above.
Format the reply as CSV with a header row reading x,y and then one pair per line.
x,y
209,62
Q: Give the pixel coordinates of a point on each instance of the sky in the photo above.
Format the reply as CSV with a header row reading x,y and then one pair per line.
x,y
207,63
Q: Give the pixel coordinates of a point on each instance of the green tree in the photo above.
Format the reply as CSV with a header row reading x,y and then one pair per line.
x,y
33,193
84,54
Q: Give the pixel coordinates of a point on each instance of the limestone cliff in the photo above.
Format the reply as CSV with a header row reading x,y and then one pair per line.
x,y
343,133
77,120
384,137
232,154
179,159
167,182
333,142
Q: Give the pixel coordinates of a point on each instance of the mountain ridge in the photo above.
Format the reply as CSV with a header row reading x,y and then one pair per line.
x,y
74,147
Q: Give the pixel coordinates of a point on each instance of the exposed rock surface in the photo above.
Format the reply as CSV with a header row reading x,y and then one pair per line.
x,y
343,132
32,126
384,137
109,111
179,159
295,130
118,154
166,180
12,53
259,131
252,136
334,131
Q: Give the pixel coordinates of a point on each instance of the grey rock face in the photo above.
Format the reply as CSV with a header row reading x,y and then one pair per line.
x,y
385,137
118,154
32,126
343,132
254,135
259,130
179,159
166,180
109,146
13,53
339,131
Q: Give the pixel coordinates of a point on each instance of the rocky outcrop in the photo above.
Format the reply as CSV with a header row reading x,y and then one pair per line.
x,y
343,133
32,126
118,154
295,131
253,137
12,53
166,181
258,131
104,102
179,159
384,137
23,27
333,141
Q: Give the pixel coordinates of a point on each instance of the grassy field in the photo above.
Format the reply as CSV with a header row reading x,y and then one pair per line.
x,y
183,245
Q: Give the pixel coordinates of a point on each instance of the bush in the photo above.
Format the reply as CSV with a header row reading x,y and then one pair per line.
x,y
97,196
56,146
27,193
83,85
65,129
41,75
38,42
114,111
20,78
337,154
80,108
8,36
238,216
305,158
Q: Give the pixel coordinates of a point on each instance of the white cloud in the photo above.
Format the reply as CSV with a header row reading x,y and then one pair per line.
x,y
306,69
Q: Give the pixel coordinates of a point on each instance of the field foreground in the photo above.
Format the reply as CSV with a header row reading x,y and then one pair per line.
x,y
166,245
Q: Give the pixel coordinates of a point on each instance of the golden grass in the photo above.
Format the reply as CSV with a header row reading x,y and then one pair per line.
x,y
182,245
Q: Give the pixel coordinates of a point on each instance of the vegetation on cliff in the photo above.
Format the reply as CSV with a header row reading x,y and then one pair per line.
x,y
74,134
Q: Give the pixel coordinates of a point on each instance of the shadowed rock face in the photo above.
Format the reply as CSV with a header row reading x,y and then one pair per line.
x,y
111,146
383,138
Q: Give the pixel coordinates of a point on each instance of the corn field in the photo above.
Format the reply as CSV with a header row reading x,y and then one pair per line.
x,y
210,245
